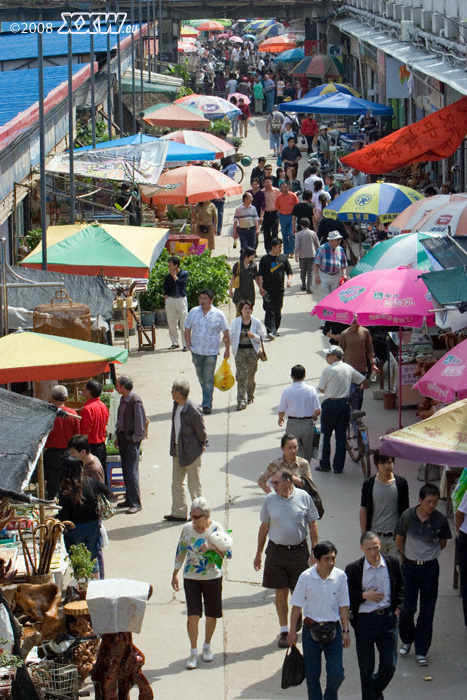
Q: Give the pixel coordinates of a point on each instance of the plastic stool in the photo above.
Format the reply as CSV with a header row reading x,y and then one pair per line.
x,y
114,475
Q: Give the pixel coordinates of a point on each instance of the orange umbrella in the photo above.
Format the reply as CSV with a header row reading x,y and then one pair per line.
x,y
276,44
194,184
210,25
175,116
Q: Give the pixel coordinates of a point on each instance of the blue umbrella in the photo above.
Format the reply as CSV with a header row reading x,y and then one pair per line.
x,y
290,56
249,36
336,103
330,88
177,152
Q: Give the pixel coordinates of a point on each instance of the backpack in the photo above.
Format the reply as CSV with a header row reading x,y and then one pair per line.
x,y
276,123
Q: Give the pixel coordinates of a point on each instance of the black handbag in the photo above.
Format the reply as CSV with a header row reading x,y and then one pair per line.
x,y
310,488
293,668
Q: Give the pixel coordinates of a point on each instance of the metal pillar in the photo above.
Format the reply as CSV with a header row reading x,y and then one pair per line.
x,y
148,8
133,95
109,76
93,93
71,144
154,12
42,153
141,52
119,78
160,35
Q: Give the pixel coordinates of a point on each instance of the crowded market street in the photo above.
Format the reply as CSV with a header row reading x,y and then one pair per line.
x,y
247,663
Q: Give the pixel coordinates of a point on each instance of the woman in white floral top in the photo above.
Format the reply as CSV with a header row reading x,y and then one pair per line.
x,y
202,576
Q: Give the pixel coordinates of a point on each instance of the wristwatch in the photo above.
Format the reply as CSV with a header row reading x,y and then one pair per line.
x,y
345,631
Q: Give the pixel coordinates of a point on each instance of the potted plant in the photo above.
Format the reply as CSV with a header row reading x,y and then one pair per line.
x,y
82,566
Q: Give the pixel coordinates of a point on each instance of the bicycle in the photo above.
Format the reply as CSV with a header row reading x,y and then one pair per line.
x,y
358,442
234,171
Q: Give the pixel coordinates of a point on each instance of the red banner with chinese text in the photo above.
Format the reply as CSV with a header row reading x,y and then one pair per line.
x,y
434,137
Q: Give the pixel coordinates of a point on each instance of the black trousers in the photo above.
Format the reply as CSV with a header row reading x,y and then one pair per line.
x,y
53,458
272,305
270,228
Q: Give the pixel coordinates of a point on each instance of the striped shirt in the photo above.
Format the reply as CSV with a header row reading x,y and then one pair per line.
x,y
329,260
245,216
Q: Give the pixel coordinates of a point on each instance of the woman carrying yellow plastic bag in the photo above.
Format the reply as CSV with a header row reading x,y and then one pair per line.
x,y
223,377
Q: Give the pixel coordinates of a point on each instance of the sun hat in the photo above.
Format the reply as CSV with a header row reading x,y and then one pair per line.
x,y
334,235
335,350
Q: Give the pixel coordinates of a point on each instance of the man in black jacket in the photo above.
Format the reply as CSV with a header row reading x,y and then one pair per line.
x,y
385,496
376,589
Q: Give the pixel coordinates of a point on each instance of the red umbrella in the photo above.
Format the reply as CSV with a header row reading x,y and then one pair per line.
x,y
194,184
210,25
174,115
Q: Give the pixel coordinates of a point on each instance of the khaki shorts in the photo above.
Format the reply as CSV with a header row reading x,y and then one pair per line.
x,y
283,566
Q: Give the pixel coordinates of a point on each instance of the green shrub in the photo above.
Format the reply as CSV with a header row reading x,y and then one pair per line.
x,y
204,272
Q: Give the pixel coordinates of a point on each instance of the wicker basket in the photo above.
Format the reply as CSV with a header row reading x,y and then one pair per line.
x,y
55,681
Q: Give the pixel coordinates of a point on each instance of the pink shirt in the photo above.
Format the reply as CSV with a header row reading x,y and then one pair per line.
x,y
270,196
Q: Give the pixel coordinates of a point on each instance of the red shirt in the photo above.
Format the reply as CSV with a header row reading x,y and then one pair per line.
x,y
94,419
63,430
286,202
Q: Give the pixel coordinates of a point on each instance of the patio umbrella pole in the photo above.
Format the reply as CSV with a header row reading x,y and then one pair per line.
x,y
41,487
399,391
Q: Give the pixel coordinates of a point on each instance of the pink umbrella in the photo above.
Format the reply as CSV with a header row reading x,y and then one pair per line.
x,y
236,39
442,213
381,298
201,139
224,35
446,381
240,95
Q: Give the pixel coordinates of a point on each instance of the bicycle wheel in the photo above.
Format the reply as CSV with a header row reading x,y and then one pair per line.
x,y
238,174
353,444
365,452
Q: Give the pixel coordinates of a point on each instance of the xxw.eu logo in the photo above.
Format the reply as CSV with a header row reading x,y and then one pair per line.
x,y
92,22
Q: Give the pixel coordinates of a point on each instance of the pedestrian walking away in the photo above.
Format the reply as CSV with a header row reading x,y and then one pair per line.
x,y
130,430
357,345
335,383
306,245
421,534
301,405
244,276
176,305
187,444
385,496
202,328
202,577
376,589
273,267
322,598
286,517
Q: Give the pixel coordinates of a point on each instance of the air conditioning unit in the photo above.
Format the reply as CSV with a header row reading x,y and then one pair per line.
x,y
406,30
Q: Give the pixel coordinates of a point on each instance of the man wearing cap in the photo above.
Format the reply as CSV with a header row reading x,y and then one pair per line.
x,y
335,383
330,263
56,447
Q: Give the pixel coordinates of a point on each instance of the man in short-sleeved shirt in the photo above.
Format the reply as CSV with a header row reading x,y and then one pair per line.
x,y
322,594
461,550
421,534
202,328
286,517
335,383
301,404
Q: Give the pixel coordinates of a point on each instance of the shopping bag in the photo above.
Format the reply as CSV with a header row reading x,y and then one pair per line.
x,y
293,668
223,377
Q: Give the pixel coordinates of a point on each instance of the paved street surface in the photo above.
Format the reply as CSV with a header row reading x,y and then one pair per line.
x,y
247,662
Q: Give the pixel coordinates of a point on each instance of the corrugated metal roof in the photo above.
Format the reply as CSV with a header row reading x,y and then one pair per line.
x,y
19,89
18,46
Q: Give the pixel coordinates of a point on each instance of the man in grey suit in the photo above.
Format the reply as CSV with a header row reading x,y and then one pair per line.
x,y
187,444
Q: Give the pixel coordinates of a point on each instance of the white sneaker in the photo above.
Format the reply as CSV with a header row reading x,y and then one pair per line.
x,y
192,661
207,654
404,650
422,660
